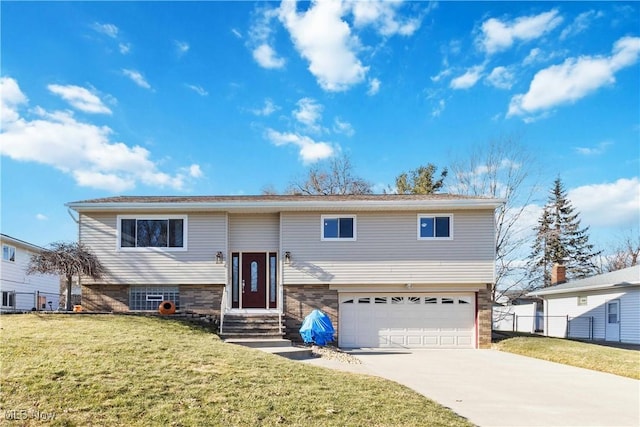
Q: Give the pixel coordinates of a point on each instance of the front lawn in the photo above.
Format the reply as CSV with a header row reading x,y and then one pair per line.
x,y
138,371
583,355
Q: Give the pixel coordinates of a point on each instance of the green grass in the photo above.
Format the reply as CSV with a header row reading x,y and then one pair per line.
x,y
139,371
575,353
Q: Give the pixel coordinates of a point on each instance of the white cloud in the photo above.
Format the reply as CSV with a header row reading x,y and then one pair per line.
x,y
580,24
80,98
41,217
181,47
501,78
374,87
260,40
593,151
310,150
267,57
236,33
382,15
11,98
608,205
340,126
438,109
124,48
324,39
575,78
137,78
194,171
468,79
444,73
79,149
198,89
533,56
309,112
109,30
267,109
497,35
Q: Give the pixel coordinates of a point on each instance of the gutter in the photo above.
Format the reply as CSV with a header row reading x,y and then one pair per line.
x,y
581,289
257,206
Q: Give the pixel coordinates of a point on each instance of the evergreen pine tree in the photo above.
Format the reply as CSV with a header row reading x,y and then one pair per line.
x,y
559,239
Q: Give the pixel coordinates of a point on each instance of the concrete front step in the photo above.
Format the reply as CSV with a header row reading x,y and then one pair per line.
x,y
279,347
226,335
260,342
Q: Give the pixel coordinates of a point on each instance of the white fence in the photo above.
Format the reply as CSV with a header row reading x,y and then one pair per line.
x,y
31,301
520,318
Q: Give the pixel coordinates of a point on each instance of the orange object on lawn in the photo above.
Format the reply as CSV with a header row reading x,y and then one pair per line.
x,y
77,308
167,307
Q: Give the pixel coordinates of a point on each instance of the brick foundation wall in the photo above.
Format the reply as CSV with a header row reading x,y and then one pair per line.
x,y
301,300
484,318
202,299
105,298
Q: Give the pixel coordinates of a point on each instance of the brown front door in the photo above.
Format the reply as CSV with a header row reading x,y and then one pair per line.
x,y
254,280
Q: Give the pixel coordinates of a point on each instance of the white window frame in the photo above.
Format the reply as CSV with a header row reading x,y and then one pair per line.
x,y
338,239
10,248
434,216
185,228
10,297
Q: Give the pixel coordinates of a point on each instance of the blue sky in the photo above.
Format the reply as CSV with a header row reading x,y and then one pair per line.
x,y
153,98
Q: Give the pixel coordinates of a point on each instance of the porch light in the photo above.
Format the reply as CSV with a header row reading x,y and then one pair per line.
x,y
219,257
287,257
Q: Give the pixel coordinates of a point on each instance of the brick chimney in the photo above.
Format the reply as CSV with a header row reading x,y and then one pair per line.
x,y
558,274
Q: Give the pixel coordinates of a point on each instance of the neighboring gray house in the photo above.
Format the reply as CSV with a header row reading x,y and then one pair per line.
x,y
390,270
602,307
20,291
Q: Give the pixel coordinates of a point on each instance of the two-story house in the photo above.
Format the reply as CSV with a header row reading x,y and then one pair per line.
x,y
390,270
22,291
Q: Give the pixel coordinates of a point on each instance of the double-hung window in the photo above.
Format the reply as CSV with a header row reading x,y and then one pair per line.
x,y
338,227
435,227
153,231
8,253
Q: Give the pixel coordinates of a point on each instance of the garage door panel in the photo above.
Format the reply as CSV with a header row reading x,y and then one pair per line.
x,y
413,321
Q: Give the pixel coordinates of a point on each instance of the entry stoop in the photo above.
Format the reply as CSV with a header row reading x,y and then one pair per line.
x,y
261,331
279,347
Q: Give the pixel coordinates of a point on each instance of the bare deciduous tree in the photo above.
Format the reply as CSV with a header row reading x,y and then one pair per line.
x,y
503,169
67,259
623,254
336,177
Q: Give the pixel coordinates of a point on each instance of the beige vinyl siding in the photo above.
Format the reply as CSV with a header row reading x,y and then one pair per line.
x,y
206,235
387,250
254,232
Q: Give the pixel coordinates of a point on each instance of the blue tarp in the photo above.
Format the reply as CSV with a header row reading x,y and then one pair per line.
x,y
317,328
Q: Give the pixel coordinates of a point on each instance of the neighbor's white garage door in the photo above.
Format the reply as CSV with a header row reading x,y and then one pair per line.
x,y
408,320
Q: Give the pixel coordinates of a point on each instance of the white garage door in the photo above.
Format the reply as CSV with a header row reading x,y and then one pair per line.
x,y
407,320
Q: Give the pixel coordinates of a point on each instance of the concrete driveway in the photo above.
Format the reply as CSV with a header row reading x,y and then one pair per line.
x,y
493,388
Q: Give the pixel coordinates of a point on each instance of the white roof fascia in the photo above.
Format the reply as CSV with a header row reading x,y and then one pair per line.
x,y
581,289
20,243
258,206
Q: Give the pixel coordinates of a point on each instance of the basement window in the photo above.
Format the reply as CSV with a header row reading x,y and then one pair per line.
x,y
143,298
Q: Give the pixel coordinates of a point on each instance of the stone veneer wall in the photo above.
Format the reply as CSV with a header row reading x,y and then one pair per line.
x,y
202,299
105,298
300,300
484,318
